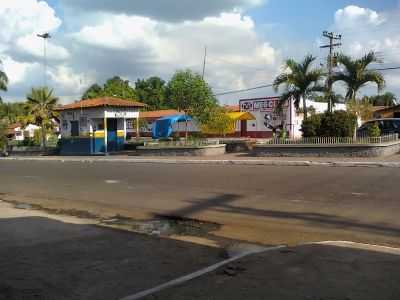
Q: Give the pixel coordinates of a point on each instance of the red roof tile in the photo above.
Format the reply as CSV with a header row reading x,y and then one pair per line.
x,y
156,114
232,108
101,102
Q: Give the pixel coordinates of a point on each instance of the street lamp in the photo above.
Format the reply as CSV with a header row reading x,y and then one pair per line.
x,y
44,36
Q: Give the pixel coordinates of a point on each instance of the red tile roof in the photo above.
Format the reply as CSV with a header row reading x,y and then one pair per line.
x,y
101,102
156,114
232,108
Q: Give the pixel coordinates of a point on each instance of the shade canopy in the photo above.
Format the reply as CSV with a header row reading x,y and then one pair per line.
x,y
241,116
162,128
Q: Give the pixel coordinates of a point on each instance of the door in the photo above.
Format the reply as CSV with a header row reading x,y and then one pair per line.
x,y
74,128
112,135
243,128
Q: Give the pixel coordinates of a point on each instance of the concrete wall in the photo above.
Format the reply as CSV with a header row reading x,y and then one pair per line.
x,y
211,150
368,150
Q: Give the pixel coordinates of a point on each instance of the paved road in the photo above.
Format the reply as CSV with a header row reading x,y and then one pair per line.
x,y
266,204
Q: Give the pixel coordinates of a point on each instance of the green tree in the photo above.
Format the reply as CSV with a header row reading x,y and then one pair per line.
x,y
93,91
188,92
151,91
356,75
218,122
3,134
3,81
41,103
114,87
386,99
13,112
300,82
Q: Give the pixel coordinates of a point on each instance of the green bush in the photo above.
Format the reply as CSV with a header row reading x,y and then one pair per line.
x,y
337,124
374,130
311,126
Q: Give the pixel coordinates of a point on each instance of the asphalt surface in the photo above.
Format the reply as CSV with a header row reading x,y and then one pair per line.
x,y
266,204
43,258
311,272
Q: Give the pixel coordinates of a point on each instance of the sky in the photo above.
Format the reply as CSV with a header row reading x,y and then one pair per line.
x,y
247,41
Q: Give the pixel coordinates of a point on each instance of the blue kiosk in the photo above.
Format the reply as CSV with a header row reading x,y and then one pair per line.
x,y
96,126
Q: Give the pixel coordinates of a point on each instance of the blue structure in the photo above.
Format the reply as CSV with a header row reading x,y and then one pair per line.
x,y
162,127
96,126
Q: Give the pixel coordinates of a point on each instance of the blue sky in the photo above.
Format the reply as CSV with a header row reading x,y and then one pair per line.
x,y
247,40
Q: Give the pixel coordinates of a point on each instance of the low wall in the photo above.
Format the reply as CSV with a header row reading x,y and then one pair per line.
x,y
237,145
343,150
31,151
211,150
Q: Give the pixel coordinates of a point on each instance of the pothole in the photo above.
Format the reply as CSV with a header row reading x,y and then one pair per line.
x,y
166,225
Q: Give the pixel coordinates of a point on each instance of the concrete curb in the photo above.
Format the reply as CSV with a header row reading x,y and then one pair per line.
x,y
241,162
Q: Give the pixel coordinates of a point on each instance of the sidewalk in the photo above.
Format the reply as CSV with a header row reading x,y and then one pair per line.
x,y
230,159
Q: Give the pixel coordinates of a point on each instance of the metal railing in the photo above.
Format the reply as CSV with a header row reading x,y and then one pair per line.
x,y
332,140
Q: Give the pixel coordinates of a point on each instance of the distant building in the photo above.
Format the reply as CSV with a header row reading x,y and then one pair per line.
x,y
268,121
19,133
96,126
388,112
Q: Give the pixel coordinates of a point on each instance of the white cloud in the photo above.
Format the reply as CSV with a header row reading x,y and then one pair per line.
x,y
232,42
20,21
17,71
367,30
354,15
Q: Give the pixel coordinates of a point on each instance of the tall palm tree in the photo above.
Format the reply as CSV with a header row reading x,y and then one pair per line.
x,y
3,80
355,74
41,103
300,82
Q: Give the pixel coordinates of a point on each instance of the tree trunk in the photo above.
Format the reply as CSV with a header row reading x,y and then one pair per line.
x,y
304,107
44,146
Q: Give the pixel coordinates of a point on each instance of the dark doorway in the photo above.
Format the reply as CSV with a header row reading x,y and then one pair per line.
x,y
243,128
396,114
112,135
74,128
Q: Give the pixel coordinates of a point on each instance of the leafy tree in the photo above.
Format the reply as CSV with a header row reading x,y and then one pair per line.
x,y
3,80
362,108
114,87
41,103
336,124
13,112
386,99
152,92
117,87
300,82
218,122
188,92
3,134
374,130
93,91
355,74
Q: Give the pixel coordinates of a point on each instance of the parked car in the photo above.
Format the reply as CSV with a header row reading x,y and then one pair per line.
x,y
387,126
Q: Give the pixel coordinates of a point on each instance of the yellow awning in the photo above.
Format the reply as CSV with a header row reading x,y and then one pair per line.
x,y
241,116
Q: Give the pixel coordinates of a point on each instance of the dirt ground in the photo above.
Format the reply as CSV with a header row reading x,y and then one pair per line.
x,y
53,257
313,272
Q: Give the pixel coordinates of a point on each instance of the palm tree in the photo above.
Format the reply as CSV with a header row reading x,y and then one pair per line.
x,y
3,80
300,82
355,74
41,103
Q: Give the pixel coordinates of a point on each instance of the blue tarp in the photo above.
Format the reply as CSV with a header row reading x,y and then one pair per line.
x,y
162,128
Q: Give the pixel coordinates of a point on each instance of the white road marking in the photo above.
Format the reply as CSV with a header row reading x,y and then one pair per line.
x,y
196,274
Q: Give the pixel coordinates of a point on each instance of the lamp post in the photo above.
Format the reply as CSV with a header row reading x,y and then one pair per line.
x,y
44,36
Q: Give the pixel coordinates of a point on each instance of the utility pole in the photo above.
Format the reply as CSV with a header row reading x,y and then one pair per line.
x,y
44,36
332,37
204,61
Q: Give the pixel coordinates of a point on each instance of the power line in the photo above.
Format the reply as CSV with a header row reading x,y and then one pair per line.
x,y
245,90
271,84
332,37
